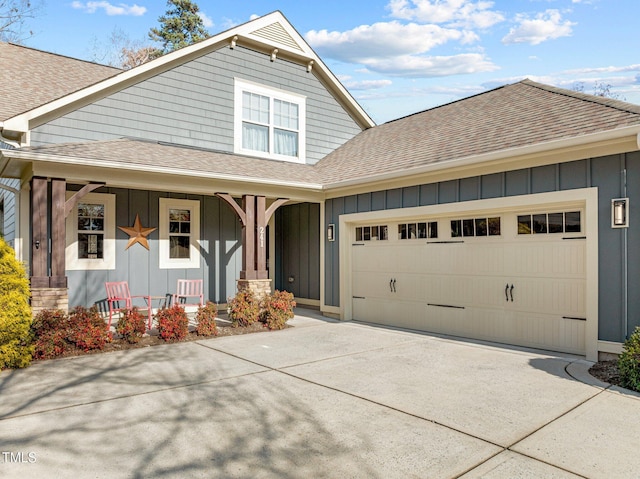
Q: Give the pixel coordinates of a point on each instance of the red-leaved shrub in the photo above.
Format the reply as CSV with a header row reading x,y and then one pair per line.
x,y
131,325
173,323
244,308
277,309
206,320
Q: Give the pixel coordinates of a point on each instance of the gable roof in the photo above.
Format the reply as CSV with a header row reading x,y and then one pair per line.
x,y
271,34
507,119
524,118
30,78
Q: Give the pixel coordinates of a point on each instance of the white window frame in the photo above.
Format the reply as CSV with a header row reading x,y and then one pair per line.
x,y
73,263
241,86
165,262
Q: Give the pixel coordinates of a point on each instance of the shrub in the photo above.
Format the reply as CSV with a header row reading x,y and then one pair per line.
x,y
277,309
56,332
49,331
173,323
206,320
629,362
244,309
131,325
16,348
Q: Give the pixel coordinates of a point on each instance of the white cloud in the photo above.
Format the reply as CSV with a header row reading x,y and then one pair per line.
x,y
381,40
412,66
206,21
462,13
109,9
355,85
547,25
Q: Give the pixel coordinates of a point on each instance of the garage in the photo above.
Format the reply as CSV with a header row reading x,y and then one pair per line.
x,y
516,277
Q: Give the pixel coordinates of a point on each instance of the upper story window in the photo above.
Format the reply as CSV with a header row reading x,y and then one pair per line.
x,y
269,122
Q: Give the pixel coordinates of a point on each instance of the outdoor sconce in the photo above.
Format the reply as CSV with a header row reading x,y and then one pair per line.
x,y
620,213
331,232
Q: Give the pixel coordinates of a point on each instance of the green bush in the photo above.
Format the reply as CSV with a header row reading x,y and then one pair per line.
x,y
206,320
173,323
244,308
277,309
131,325
16,348
629,362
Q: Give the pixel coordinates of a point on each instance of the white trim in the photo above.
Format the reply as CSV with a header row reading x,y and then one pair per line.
x,y
163,226
108,262
241,86
243,32
586,197
610,347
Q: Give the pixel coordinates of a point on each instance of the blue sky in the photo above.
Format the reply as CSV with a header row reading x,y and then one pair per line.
x,y
401,56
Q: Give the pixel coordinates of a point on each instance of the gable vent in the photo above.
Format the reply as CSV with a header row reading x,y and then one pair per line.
x,y
276,33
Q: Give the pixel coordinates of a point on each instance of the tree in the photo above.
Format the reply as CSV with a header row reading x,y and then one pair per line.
x,y
13,16
181,25
120,51
599,89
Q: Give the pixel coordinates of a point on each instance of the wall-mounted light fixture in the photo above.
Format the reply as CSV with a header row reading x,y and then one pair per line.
x,y
331,229
620,213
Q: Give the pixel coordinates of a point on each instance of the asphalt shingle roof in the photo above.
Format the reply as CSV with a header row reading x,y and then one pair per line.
x,y
512,116
515,115
31,78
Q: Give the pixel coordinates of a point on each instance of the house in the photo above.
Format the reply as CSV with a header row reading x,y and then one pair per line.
x,y
507,216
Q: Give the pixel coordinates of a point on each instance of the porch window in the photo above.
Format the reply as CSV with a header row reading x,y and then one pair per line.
x,y
91,233
179,233
269,121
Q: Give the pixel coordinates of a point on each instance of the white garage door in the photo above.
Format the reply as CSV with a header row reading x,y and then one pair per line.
x,y
511,278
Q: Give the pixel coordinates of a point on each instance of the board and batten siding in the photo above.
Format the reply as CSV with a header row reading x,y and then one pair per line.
x,y
220,250
605,173
192,105
298,250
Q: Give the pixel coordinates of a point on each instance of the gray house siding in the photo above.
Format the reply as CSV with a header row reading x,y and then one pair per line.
x,y
605,173
192,105
8,210
220,239
298,250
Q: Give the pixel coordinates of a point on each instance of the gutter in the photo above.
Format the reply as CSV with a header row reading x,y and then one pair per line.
x,y
496,156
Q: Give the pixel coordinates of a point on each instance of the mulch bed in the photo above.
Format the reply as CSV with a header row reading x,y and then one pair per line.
x,y
606,371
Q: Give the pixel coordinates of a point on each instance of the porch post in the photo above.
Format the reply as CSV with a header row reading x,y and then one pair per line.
x,y
58,234
39,237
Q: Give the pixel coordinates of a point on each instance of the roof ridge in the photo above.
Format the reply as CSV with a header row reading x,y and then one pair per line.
x,y
599,100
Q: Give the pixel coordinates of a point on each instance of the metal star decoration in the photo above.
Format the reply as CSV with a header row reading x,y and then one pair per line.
x,y
137,233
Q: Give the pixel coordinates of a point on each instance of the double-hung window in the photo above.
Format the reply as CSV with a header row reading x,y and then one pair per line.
x,y
179,224
91,233
269,122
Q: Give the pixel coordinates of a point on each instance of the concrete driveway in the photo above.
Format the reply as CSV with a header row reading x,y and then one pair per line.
x,y
322,399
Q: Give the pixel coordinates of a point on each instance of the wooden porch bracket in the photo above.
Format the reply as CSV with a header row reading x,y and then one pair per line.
x,y
85,190
254,216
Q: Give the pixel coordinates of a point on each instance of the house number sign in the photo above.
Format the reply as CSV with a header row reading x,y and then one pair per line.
x,y
262,237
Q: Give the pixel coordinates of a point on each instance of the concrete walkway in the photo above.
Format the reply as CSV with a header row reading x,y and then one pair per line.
x,y
323,399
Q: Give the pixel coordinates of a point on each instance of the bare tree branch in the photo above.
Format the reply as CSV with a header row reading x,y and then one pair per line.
x,y
13,18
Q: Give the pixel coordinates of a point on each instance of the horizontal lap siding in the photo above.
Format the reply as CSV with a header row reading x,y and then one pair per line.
x,y
193,105
220,249
8,201
604,173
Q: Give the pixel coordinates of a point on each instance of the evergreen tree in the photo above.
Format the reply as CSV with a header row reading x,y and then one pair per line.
x,y
179,26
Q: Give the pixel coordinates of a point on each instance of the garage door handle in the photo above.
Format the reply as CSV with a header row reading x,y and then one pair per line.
x,y
394,285
511,293
391,285
506,292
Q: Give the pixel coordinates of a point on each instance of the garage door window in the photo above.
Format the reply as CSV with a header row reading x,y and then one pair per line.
x,y
418,230
372,233
549,223
478,227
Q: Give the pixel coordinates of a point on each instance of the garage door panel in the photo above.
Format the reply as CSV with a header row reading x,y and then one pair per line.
x,y
458,287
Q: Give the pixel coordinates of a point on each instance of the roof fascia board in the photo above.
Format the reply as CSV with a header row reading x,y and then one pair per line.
x,y
61,106
557,151
161,181
114,165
